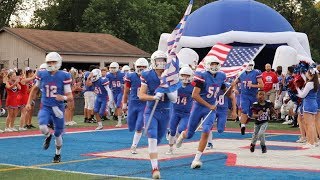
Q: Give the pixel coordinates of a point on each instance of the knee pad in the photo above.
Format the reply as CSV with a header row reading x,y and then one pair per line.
x,y
57,132
44,129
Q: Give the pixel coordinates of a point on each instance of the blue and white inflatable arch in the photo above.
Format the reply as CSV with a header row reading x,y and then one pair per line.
x,y
244,23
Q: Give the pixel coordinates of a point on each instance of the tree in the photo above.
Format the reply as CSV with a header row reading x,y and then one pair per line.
x,y
304,17
139,22
63,15
7,8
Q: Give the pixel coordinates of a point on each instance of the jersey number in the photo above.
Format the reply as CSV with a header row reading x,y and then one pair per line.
x,y
182,100
212,91
246,83
97,90
51,91
221,100
116,84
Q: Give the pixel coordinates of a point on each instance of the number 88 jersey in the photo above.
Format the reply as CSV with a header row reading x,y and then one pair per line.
x,y
52,85
209,84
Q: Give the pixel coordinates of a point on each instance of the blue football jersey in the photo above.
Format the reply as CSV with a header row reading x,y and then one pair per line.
x,y
135,83
211,85
249,78
150,78
87,88
52,85
99,87
184,101
116,82
223,100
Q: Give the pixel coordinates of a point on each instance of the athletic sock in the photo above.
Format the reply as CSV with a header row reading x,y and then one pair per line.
x,y
154,163
136,138
198,156
210,137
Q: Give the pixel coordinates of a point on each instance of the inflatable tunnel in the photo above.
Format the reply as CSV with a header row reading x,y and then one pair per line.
x,y
242,23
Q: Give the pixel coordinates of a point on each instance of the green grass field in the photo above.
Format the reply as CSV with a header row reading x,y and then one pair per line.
x,y
26,173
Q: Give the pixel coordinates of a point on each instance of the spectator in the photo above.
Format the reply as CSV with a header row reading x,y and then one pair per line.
x,y
269,78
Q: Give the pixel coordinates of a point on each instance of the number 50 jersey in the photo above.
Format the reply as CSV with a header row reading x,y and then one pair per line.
x,y
52,85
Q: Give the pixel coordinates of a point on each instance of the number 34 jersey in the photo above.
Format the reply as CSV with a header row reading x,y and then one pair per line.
x,y
210,85
184,101
52,85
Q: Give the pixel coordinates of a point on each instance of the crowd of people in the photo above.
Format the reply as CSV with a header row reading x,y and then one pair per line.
x,y
204,99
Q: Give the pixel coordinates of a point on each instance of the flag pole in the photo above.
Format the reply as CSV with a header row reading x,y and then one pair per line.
x,y
199,126
150,117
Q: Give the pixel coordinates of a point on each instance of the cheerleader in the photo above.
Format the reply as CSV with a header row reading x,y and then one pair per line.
x,y
309,105
12,88
23,96
30,74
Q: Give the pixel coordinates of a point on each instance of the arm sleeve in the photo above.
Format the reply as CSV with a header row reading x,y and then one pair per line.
x,y
67,88
110,94
303,93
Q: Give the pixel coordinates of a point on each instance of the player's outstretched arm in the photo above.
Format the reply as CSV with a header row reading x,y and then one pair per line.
x,y
32,96
143,96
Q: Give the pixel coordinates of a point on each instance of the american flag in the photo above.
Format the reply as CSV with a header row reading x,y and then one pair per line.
x,y
169,81
233,59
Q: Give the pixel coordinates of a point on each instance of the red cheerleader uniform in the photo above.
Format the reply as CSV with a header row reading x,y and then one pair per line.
x,y
12,94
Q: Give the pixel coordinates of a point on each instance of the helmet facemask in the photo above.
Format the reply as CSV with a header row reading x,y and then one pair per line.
x,y
160,63
213,67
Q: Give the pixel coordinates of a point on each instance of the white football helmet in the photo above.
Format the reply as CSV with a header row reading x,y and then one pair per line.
x,y
125,68
96,74
55,57
43,66
250,66
2,111
186,71
212,68
140,65
159,60
114,67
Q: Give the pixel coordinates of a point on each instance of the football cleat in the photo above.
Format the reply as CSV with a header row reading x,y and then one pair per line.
x,y
133,150
155,174
243,130
252,147
46,142
264,149
196,164
209,146
179,141
170,151
56,158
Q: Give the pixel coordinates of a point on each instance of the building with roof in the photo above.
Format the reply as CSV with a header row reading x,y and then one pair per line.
x,y
28,47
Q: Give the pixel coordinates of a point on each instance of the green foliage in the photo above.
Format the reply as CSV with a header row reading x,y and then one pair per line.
x,y
65,15
7,8
139,22
304,16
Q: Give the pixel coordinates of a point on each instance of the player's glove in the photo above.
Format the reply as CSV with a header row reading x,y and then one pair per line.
x,y
158,96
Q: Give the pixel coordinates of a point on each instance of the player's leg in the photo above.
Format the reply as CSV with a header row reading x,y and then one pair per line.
x,y
254,137
261,136
58,131
119,111
245,108
153,144
173,124
96,110
196,114
132,121
44,116
206,128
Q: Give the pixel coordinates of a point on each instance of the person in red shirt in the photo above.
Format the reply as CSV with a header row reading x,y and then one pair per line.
x,y
23,95
12,88
269,79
